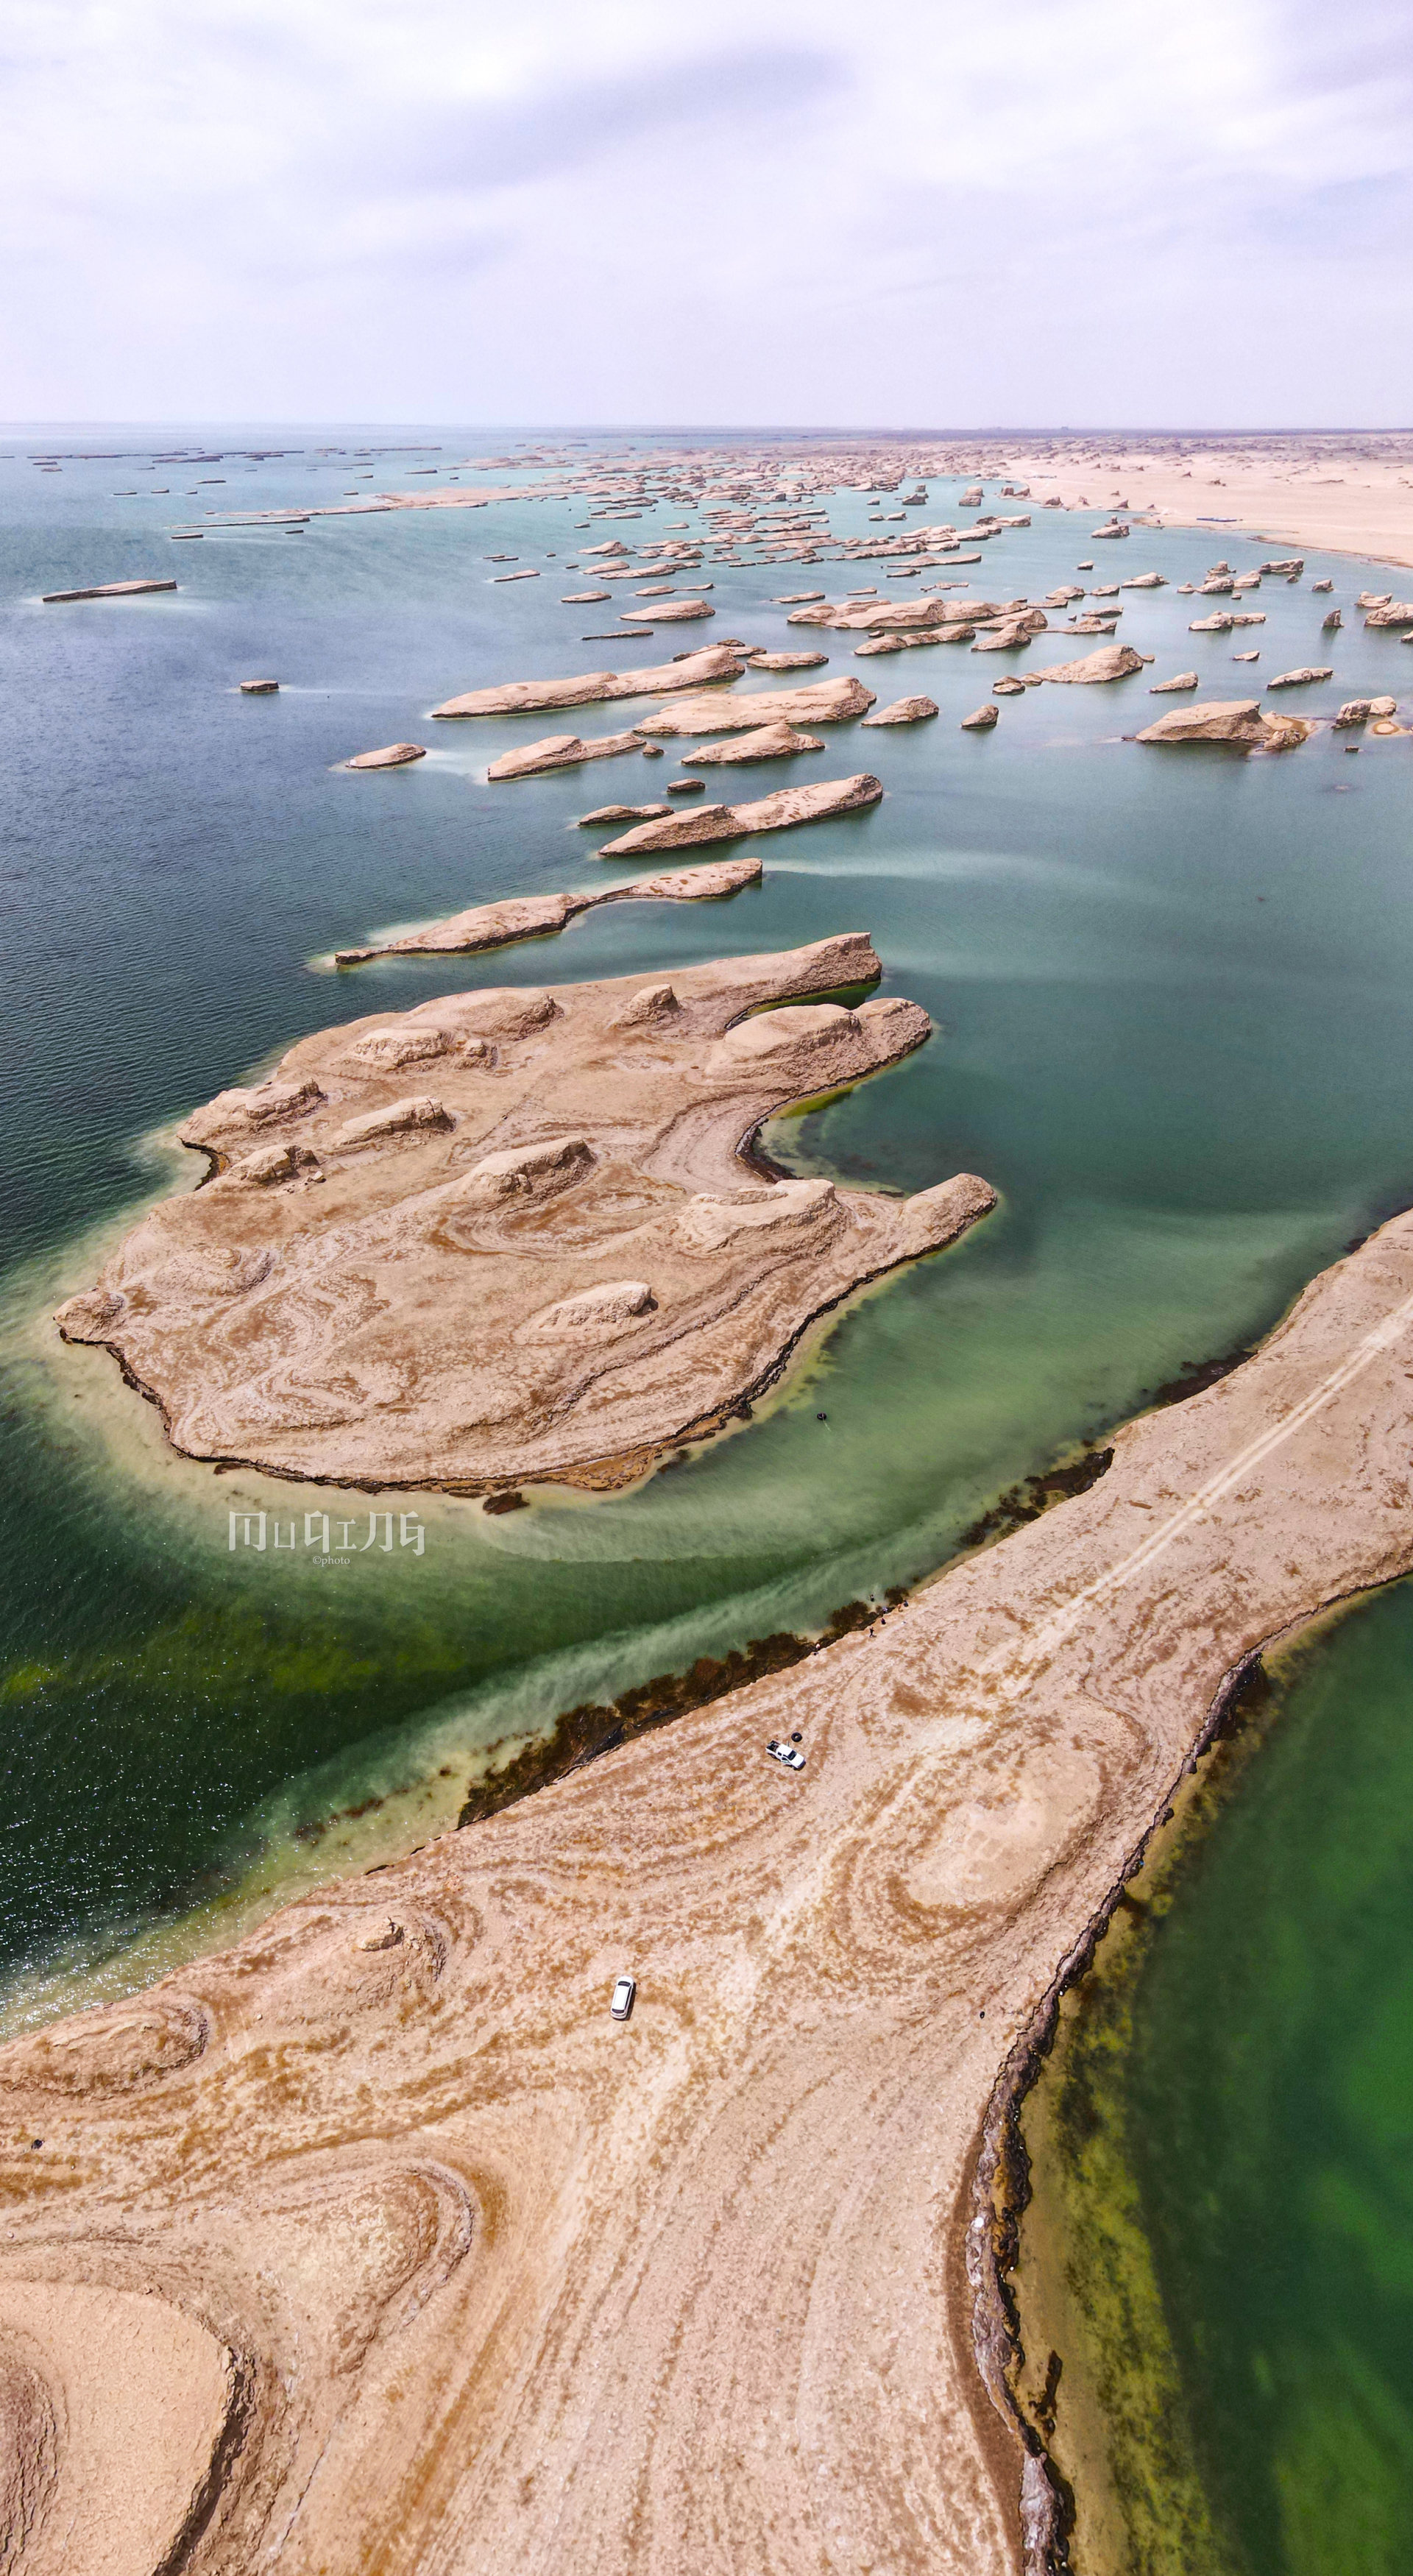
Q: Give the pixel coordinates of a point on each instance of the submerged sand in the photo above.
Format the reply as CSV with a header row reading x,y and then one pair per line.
x,y
376,2243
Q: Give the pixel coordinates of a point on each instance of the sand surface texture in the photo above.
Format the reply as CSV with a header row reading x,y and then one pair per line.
x,y
375,2244
1351,491
508,1234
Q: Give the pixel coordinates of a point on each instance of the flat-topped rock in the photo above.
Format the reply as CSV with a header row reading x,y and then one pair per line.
x,y
114,590
1111,662
1238,721
778,813
394,755
590,688
259,688
907,711
763,742
561,751
1013,634
873,616
669,612
1302,678
785,661
550,1265
620,814
1390,612
539,916
742,711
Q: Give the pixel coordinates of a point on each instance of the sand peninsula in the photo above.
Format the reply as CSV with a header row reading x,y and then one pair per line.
x,y
509,1236
494,2282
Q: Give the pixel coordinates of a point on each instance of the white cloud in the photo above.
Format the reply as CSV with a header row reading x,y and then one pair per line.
x,y
1078,209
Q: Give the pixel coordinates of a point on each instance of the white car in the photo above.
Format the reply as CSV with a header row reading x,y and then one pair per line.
x,y
622,2001
786,1753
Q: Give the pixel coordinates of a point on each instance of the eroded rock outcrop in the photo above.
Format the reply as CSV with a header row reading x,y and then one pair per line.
x,y
669,612
785,661
1359,711
394,755
539,916
450,1305
764,742
116,590
781,812
740,711
1238,721
1111,662
903,711
562,751
590,688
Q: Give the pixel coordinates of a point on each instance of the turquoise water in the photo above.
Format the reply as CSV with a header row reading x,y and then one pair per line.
x,y
1174,1007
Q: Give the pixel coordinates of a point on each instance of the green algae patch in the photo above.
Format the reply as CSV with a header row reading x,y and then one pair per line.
x,y
1214,2279
1101,2378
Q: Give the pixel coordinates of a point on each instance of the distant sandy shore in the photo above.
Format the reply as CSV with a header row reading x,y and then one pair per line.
x,y
374,2242
1349,494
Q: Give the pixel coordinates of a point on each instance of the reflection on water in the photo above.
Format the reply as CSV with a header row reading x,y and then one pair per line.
x,y
1173,1020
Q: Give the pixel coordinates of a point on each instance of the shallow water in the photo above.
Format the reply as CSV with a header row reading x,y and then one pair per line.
x,y
1222,2246
1174,1008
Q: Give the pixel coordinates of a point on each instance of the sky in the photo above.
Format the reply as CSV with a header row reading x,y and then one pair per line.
x,y
917,214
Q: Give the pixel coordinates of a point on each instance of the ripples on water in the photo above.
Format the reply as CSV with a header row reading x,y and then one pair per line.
x,y
1173,1008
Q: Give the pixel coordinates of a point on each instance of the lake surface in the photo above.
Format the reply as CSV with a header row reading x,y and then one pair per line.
x,y
1222,2243
1174,1008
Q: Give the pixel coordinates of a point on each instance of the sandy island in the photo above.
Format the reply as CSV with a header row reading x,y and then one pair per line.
x,y
494,2282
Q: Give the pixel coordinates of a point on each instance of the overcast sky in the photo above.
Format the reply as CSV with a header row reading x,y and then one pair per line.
x,y
915,213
